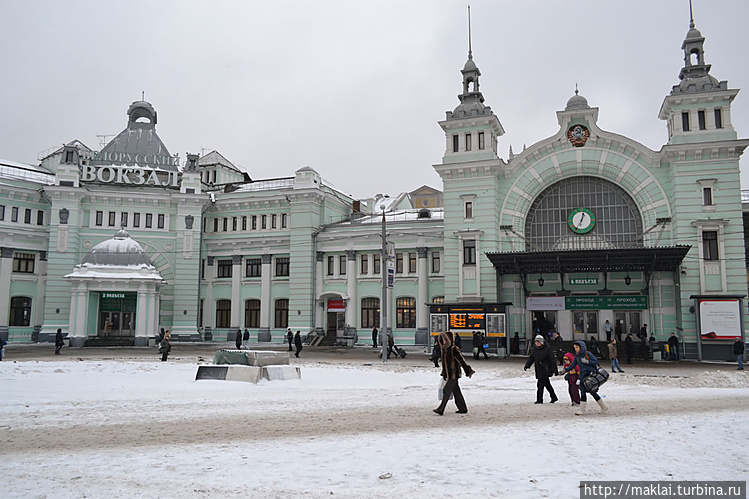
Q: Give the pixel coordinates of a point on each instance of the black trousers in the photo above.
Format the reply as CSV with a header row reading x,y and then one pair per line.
x,y
298,349
542,383
452,387
164,356
289,344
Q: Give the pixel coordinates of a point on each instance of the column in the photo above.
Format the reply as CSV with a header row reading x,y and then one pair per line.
x,y
79,335
142,320
236,291
263,333
320,258
6,268
352,306
155,328
41,283
209,315
422,310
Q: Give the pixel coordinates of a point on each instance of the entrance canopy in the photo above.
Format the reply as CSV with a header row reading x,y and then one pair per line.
x,y
647,260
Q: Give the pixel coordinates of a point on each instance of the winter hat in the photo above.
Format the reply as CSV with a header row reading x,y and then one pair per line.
x,y
539,338
569,356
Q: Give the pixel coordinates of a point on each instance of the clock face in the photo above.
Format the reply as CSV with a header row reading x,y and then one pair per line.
x,y
581,220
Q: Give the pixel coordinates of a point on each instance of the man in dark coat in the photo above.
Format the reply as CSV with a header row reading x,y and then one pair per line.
x,y
238,340
374,337
298,343
289,337
478,345
673,347
515,343
546,367
458,342
559,347
59,343
629,348
738,351
452,362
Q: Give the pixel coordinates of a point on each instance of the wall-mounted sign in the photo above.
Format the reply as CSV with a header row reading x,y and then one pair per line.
x,y
544,303
336,305
612,302
720,319
113,295
124,158
126,175
463,320
583,280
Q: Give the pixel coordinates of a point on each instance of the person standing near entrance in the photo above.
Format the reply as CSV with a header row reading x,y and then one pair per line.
x,y
607,328
165,346
546,367
614,356
673,347
452,362
246,339
374,337
559,347
738,351
298,343
629,348
59,343
289,337
238,340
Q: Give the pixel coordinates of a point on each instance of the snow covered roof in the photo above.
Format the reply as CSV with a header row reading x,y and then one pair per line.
x,y
22,171
121,250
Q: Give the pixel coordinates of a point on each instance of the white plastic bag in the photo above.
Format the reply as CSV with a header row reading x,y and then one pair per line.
x,y
441,388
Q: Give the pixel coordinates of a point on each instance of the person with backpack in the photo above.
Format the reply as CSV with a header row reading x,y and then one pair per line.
x,y
588,364
546,367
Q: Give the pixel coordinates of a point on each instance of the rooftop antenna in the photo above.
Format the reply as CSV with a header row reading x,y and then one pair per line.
x,y
470,52
575,88
691,16
143,95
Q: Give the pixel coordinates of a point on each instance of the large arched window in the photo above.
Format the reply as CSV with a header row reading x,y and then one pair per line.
x,y
20,311
223,313
282,313
252,313
370,312
405,312
611,220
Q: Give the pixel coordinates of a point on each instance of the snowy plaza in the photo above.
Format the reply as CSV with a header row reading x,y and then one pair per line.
x,y
118,423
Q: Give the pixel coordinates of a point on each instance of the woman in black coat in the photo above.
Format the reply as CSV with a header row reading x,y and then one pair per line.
x,y
298,343
59,343
546,367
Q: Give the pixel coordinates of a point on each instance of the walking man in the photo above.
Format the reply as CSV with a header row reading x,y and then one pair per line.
x,y
289,337
59,343
297,343
246,339
738,351
546,367
374,337
673,347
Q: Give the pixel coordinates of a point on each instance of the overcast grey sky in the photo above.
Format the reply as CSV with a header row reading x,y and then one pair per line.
x,y
353,89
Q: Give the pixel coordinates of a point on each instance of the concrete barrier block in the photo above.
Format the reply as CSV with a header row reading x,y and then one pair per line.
x,y
275,373
229,372
260,358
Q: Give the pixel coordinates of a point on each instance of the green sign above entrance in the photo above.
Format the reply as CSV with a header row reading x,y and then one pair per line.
x,y
583,280
638,302
113,295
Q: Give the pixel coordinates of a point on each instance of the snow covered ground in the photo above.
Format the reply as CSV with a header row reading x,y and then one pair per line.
x,y
141,428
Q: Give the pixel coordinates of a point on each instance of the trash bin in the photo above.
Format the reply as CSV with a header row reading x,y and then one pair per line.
x,y
657,355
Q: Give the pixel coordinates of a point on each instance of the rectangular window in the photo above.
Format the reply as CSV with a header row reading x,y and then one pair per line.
x,y
215,224
223,313
718,118
364,265
412,263
161,221
469,252
707,196
244,223
481,140
710,245
136,220
27,216
456,143
223,268
2,212
342,265
202,268
468,142
40,217
284,221
273,219
252,313
253,267
469,209
331,265
225,224
234,224
123,219
701,120
14,214
264,222
23,263
376,264
399,263
112,218
149,220
370,312
20,311
282,267
405,313
685,121
435,262
213,174
254,222
282,313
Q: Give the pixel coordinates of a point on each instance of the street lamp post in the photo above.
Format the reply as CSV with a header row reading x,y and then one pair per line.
x,y
384,302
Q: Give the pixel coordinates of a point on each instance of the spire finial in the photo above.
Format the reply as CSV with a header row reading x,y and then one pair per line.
x,y
691,16
470,52
575,88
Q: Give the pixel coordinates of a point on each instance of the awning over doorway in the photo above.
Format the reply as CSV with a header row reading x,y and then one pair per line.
x,y
654,259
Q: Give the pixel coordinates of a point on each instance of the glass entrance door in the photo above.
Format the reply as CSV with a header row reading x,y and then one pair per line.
x,y
585,325
627,322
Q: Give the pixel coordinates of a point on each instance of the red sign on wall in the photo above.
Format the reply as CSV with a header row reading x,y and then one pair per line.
x,y
336,305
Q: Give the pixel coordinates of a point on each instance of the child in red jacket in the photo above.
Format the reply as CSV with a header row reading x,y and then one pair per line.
x,y
573,378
